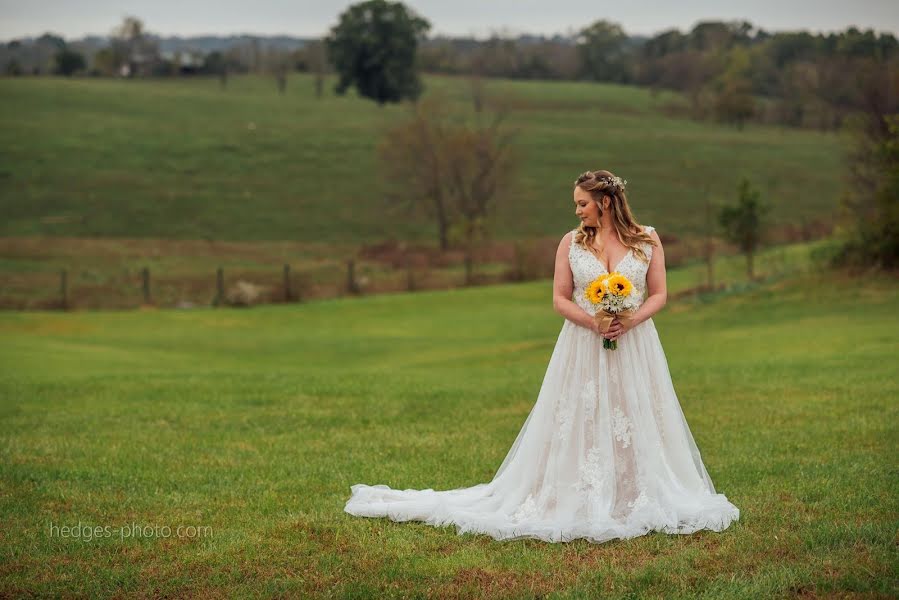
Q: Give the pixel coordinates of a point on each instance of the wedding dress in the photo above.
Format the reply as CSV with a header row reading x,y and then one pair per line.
x,y
604,453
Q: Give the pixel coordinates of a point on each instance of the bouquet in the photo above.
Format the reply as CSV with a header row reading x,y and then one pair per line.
x,y
613,295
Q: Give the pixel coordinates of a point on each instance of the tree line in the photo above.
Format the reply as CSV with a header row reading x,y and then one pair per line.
x,y
728,70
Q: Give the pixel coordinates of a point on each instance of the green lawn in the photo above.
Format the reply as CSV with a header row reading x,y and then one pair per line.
x,y
254,423
184,159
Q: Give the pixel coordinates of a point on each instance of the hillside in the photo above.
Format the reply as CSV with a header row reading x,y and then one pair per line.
x,y
182,159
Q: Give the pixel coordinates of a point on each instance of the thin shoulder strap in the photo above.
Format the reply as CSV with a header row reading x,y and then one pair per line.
x,y
648,247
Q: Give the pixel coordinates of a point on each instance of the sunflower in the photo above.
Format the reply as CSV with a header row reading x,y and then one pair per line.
x,y
618,284
596,291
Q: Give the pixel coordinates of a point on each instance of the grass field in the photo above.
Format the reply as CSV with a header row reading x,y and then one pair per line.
x,y
183,159
254,424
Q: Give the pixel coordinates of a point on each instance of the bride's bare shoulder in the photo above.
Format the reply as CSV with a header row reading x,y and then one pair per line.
x,y
651,232
565,243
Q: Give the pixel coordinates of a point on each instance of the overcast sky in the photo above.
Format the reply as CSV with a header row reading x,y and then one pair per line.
x,y
74,19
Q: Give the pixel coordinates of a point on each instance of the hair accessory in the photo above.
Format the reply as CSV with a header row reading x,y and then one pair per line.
x,y
616,181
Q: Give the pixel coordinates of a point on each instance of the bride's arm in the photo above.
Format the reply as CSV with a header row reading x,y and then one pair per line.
x,y
656,289
563,285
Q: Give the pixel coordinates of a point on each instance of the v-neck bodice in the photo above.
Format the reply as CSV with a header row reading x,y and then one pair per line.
x,y
586,267
629,250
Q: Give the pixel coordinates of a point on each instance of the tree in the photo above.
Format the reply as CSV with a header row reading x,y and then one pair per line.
x,y
603,48
733,101
106,62
13,67
51,40
278,63
449,169
373,47
886,234
869,205
67,62
316,61
716,36
216,63
414,161
480,162
743,223
132,51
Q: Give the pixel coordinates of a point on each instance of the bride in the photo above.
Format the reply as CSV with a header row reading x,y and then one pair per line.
x,y
606,451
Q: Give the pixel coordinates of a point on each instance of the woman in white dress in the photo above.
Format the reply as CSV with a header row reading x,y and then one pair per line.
x,y
605,452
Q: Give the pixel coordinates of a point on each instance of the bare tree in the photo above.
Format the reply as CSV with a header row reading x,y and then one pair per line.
x,y
277,63
256,54
448,168
414,162
133,51
480,162
317,63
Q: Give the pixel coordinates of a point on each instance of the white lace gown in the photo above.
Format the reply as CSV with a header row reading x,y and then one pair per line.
x,y
604,453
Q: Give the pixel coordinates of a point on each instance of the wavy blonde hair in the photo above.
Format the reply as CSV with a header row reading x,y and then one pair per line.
x,y
599,184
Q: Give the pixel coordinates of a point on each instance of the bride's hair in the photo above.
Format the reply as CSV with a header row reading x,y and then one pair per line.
x,y
603,183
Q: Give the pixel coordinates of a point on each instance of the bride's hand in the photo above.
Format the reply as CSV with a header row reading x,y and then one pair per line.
x,y
613,331
616,330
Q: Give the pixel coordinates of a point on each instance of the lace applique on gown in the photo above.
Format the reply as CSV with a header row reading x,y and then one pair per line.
x,y
604,453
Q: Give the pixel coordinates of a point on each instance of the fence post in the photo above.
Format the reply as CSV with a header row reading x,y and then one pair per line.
x,y
145,275
219,287
410,274
288,295
352,286
469,268
64,288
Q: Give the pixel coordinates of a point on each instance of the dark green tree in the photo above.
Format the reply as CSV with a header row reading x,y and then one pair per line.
x,y
13,67
733,89
869,205
52,40
67,62
743,223
373,47
603,49
215,63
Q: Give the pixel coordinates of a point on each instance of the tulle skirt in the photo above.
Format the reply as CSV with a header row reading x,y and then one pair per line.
x,y
604,453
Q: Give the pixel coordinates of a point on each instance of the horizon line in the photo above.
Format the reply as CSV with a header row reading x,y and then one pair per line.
x,y
481,37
